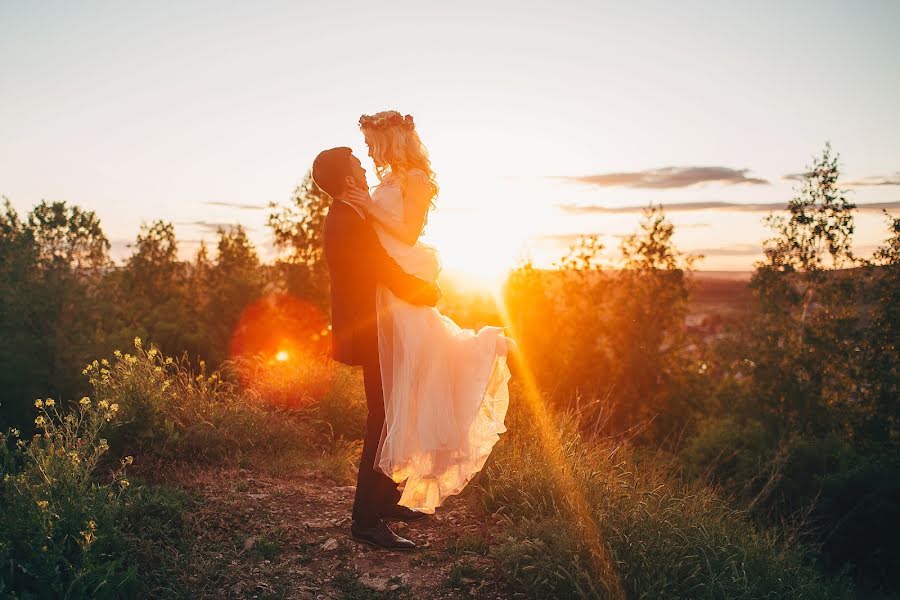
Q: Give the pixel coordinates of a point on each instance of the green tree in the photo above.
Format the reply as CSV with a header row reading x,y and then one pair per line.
x,y
154,295
236,279
297,229
56,313
806,330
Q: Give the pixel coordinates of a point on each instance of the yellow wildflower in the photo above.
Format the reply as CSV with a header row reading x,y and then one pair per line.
x,y
128,460
39,403
103,404
117,353
152,352
50,403
123,483
114,407
104,362
137,342
85,402
104,445
14,432
43,504
168,360
157,370
39,421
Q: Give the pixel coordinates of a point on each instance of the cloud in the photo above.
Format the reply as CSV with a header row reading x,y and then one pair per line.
x,y
870,181
795,176
705,206
732,250
240,205
876,180
671,177
210,226
570,238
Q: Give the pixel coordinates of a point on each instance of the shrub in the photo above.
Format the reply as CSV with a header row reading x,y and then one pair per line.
x,y
172,412
60,528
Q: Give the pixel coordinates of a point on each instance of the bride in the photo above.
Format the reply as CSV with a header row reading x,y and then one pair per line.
x,y
445,388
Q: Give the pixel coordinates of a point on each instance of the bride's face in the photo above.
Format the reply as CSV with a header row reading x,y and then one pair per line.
x,y
369,145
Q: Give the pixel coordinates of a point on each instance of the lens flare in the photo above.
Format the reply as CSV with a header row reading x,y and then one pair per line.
x,y
280,351
602,563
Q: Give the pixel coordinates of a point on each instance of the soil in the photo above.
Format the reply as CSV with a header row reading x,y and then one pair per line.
x,y
258,536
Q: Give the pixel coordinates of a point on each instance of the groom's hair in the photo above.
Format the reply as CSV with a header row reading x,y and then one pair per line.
x,y
331,169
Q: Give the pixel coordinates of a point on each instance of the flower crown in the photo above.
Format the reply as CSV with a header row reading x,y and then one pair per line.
x,y
386,121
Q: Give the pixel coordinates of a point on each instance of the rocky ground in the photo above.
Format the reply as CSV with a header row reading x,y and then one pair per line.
x,y
260,536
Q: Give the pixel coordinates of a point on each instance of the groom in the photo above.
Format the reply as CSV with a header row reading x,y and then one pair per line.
x,y
356,264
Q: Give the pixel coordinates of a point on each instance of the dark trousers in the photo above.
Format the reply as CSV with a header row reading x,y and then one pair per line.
x,y
375,491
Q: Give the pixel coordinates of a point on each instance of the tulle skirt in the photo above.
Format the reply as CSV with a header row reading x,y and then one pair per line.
x,y
446,396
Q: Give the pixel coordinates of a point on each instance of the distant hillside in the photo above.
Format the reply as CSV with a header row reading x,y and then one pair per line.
x,y
720,292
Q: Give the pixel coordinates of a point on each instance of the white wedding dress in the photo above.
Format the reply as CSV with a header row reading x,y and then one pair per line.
x,y
445,388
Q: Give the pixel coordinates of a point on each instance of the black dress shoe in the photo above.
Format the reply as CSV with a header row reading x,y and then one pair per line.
x,y
402,513
380,536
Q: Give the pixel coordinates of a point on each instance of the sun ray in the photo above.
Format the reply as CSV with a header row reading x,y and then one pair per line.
x,y
601,560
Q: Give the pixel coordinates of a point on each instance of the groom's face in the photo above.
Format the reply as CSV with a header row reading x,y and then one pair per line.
x,y
358,174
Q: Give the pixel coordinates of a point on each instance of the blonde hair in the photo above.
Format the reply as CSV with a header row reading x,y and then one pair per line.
x,y
396,148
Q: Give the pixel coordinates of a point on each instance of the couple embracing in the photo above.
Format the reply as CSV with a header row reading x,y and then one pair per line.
x,y
437,394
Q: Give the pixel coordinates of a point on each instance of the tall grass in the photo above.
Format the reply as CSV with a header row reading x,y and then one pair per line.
x,y
666,539
172,412
71,526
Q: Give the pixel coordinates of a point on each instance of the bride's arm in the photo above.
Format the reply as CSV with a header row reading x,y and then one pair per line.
x,y
416,200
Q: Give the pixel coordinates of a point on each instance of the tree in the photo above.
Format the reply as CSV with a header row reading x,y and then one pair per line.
x,y
881,409
154,297
55,311
236,279
297,228
651,370
804,334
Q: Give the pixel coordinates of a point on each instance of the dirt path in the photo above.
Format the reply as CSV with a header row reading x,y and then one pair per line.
x,y
257,536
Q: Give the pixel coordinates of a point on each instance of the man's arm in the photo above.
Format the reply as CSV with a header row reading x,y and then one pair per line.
x,y
388,272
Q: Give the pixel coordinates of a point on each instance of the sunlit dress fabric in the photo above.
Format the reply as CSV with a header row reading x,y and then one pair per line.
x,y
445,388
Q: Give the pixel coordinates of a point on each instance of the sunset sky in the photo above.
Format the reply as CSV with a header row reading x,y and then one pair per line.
x,y
544,120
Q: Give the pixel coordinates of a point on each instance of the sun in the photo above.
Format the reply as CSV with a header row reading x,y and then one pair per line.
x,y
282,356
481,255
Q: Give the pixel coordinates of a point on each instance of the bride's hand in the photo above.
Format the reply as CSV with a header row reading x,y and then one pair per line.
x,y
359,197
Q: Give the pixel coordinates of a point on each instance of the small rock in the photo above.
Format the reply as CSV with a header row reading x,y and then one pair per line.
x,y
248,543
379,584
257,496
330,544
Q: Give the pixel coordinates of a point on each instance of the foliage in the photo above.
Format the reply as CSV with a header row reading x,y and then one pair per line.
x,y
666,539
618,335
55,310
170,411
804,430
297,228
61,529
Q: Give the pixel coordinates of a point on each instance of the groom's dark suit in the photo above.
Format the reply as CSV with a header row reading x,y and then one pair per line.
x,y
356,264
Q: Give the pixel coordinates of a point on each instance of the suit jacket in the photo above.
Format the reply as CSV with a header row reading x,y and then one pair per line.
x,y
356,264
